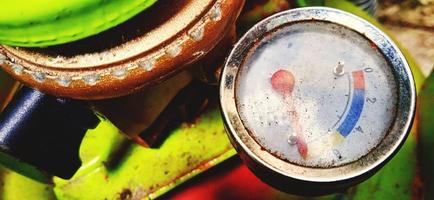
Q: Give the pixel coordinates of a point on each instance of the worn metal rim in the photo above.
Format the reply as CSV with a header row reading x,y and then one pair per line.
x,y
197,35
335,177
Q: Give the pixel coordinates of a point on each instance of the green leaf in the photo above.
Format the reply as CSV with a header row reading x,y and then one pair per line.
x,y
304,3
426,135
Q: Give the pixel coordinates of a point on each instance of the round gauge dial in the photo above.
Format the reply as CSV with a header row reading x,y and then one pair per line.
x,y
316,94
316,99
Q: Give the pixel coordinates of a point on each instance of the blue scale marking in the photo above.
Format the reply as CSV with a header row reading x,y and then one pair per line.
x,y
354,113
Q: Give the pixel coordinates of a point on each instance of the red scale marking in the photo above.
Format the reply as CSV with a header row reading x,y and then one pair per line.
x,y
359,80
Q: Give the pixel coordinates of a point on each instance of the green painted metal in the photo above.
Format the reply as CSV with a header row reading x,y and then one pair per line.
x,y
114,167
23,168
50,22
16,187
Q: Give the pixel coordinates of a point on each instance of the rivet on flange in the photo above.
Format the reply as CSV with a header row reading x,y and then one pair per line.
x,y
64,81
198,33
216,13
174,50
119,73
147,65
39,76
18,69
91,79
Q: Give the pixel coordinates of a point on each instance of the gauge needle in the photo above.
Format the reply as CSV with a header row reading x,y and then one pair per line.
x,y
283,82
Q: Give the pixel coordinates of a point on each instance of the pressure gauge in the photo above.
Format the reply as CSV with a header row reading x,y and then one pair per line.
x,y
316,100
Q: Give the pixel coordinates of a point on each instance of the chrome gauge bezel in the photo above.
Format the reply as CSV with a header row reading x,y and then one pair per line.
x,y
285,175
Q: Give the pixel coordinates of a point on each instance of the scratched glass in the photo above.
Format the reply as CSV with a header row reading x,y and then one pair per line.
x,y
316,94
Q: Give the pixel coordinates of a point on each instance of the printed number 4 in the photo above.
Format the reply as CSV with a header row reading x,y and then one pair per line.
x,y
359,128
371,100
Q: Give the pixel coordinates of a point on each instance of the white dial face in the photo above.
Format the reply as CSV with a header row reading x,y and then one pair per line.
x,y
316,94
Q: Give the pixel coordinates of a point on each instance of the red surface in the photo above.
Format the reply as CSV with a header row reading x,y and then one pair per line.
x,y
232,180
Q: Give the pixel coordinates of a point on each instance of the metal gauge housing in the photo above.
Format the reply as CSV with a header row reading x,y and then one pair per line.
x,y
316,100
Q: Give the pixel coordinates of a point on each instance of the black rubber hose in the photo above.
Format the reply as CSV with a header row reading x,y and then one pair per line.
x,y
45,132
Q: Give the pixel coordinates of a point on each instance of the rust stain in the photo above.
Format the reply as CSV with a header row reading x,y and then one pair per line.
x,y
125,194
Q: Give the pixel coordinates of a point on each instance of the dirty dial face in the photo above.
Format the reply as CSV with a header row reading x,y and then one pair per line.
x,y
316,94
316,100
